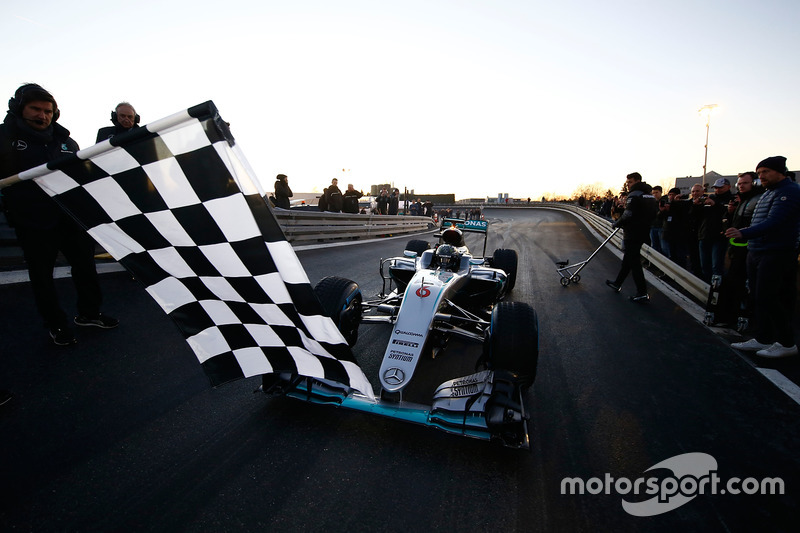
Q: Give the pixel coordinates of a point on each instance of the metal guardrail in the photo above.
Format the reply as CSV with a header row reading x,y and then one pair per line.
x,y
304,227
300,227
696,287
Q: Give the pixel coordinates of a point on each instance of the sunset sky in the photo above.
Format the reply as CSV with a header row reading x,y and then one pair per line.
x,y
471,97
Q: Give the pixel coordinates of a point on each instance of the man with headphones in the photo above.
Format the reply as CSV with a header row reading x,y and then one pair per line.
x,y
123,117
31,136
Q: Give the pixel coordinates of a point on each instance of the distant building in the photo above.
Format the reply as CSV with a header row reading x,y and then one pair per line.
x,y
375,190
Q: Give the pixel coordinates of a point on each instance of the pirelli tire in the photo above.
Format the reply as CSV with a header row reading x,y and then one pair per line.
x,y
513,343
417,245
506,260
341,302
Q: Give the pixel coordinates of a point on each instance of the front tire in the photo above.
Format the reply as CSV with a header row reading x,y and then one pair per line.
x,y
341,302
514,341
417,245
506,260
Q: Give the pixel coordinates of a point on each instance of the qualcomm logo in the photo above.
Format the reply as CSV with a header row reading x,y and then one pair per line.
x,y
692,474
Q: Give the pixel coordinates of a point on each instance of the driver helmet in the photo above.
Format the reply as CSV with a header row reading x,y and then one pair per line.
x,y
447,257
453,236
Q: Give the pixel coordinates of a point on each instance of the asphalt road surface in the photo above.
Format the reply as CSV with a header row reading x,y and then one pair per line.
x,y
123,433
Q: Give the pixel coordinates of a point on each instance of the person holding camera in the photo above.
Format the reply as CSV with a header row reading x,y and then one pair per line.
x,y
697,199
676,226
711,242
282,191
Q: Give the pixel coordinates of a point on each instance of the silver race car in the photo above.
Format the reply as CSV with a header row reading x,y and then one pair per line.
x,y
447,308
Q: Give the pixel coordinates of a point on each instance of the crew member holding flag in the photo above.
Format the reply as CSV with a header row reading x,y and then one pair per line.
x,y
31,136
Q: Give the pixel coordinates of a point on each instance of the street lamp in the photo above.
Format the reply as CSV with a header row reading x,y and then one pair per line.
x,y
706,109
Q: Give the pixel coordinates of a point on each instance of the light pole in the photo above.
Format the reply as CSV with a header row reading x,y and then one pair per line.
x,y
706,109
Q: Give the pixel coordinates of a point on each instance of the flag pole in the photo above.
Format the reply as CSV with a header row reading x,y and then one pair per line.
x,y
11,180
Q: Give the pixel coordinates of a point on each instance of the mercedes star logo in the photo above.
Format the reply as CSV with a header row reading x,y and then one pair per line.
x,y
394,376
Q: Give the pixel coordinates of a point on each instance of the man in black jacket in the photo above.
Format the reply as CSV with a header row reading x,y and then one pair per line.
x,y
712,243
282,191
334,197
124,118
29,137
383,202
640,208
350,200
394,202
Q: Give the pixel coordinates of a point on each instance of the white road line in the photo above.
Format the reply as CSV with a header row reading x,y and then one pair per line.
x,y
782,382
698,313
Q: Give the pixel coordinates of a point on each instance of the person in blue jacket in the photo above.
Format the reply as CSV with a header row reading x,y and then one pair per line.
x,y
772,260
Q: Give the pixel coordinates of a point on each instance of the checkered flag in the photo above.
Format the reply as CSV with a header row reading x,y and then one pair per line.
x,y
176,204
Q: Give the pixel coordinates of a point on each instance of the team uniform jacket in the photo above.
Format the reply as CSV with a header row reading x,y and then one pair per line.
x,y
640,209
22,148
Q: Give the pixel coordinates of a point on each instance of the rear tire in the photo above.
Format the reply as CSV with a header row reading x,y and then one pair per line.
x,y
506,260
514,341
341,302
417,245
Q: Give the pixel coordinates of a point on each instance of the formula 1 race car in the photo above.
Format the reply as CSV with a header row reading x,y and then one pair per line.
x,y
438,299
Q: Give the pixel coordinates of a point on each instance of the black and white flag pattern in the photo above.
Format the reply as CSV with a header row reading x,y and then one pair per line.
x,y
177,205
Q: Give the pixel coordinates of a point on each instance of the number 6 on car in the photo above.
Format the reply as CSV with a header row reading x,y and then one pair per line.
x,y
440,300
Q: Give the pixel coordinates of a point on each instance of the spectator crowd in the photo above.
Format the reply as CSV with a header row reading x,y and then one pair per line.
x,y
743,239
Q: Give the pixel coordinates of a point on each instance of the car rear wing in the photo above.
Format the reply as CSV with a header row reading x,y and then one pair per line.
x,y
471,226
475,226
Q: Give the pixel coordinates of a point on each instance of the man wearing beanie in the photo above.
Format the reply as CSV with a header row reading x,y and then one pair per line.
x,y
29,137
772,260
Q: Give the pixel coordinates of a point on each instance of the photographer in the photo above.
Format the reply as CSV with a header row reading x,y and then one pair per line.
x,y
712,243
697,199
676,226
